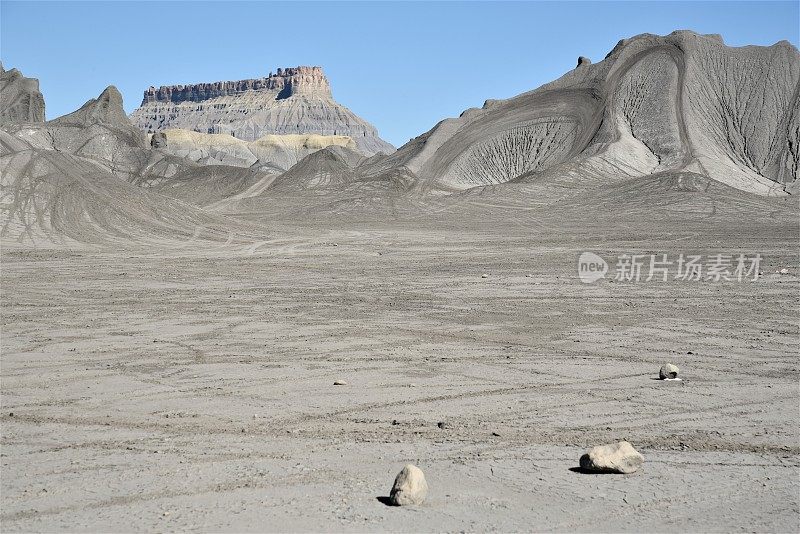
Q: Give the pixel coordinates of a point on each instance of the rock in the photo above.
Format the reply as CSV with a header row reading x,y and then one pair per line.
x,y
296,100
583,61
442,425
409,487
484,275
614,458
784,271
339,383
668,370
159,140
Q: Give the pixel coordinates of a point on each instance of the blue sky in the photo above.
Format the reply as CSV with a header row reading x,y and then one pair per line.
x,y
401,66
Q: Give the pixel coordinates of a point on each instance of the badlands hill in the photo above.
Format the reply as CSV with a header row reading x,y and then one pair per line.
x,y
292,101
683,102
76,180
681,121
20,99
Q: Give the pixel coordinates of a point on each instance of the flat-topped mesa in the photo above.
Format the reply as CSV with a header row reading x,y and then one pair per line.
x,y
285,83
297,100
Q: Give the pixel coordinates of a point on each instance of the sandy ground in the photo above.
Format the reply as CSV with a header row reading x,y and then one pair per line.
x,y
158,391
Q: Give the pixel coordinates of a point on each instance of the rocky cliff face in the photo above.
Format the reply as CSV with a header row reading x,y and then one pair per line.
x,y
292,101
20,99
286,83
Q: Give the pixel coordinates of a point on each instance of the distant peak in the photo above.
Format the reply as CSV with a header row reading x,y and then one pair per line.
x,y
285,82
106,109
110,95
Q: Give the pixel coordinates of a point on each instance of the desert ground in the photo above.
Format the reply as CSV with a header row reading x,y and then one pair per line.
x,y
190,386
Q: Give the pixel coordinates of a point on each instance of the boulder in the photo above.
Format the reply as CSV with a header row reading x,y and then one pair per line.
x,y
614,458
158,140
409,487
668,370
583,61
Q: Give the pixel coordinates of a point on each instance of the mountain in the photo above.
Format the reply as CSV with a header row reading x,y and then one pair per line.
x,y
675,126
101,132
20,99
682,102
52,197
67,182
292,101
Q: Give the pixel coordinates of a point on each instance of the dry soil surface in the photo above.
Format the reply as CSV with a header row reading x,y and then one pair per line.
x,y
194,389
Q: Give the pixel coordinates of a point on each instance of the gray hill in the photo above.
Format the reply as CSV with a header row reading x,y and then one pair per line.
x,y
654,104
101,132
51,197
20,99
681,117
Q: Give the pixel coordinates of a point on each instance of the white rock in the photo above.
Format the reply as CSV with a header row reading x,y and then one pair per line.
x,y
484,275
615,458
784,271
409,487
668,371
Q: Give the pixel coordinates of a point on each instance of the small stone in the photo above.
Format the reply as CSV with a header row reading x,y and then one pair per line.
x,y
339,383
784,271
159,140
484,275
409,487
441,424
668,371
614,458
11,414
